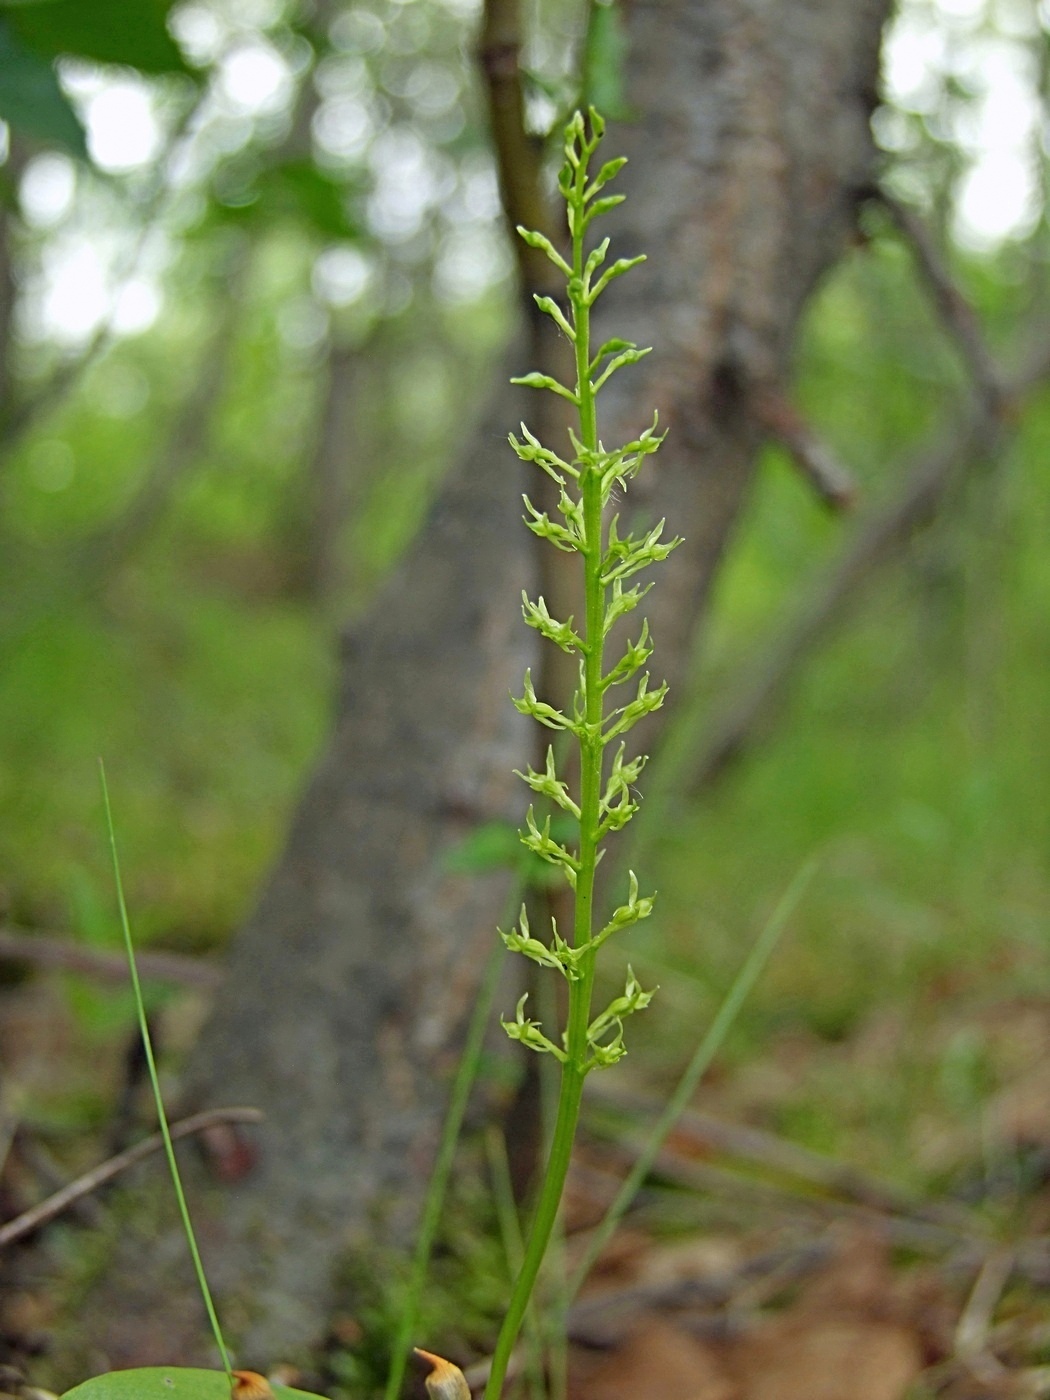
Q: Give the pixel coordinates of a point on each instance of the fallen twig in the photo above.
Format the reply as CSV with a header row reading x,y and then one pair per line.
x,y
41,1163
975,1322
42,950
778,1154
598,1318
11,1098
906,1230
31,1220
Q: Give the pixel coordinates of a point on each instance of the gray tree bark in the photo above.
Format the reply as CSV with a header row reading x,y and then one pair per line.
x,y
348,985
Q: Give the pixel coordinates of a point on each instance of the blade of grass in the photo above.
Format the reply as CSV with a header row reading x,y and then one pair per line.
x,y
703,1055
513,1247
466,1073
503,1197
147,1046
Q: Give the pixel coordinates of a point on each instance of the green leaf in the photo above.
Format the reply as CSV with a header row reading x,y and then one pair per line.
x,y
298,188
132,32
32,100
490,846
166,1383
294,190
604,59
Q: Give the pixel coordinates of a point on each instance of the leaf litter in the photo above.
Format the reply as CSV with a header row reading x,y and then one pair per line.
x,y
755,1287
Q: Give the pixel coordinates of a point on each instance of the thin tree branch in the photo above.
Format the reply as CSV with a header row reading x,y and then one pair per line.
x,y
36,1157
12,1095
957,315
64,955
756,1192
814,459
91,1181
879,538
597,1319
777,1154
518,156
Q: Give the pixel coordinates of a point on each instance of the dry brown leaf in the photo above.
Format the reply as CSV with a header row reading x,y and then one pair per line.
x,y
857,1279
857,1331
697,1257
829,1359
657,1362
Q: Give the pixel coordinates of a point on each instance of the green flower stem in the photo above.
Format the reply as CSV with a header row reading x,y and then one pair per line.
x,y
542,1226
574,1070
605,802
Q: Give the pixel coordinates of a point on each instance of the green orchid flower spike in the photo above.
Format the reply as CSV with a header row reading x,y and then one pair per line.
x,y
604,802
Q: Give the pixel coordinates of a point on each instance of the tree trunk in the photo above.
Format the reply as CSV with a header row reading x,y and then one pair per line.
x,y
347,987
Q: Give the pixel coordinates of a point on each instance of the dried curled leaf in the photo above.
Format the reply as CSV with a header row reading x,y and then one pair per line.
x,y
445,1382
249,1385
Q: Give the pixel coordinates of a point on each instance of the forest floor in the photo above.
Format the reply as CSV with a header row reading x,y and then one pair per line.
x,y
753,1267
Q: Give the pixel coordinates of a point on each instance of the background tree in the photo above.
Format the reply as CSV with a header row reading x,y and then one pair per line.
x,y
363,906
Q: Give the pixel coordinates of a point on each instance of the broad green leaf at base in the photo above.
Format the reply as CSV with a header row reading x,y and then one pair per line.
x,y
31,98
167,1383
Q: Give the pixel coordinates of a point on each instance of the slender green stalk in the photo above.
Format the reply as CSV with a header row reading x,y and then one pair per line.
x,y
503,1198
705,1052
437,1186
605,802
147,1046
547,1313
513,1248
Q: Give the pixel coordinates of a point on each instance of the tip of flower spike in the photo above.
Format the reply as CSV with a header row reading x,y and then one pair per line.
x,y
445,1382
249,1385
